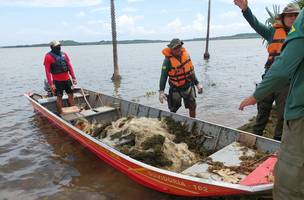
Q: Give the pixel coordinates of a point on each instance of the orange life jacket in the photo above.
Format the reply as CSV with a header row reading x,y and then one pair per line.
x,y
274,49
181,71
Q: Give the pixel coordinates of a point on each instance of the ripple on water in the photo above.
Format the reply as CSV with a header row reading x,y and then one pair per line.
x,y
42,162
15,165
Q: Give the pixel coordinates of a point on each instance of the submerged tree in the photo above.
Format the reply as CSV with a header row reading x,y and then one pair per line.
x,y
116,76
206,54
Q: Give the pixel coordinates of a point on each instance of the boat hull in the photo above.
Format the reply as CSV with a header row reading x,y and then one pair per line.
x,y
146,175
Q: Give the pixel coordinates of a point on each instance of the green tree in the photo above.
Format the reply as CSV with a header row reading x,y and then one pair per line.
x,y
272,15
276,11
300,2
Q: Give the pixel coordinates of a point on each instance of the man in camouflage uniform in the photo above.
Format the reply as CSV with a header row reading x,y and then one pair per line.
x,y
288,69
275,35
178,69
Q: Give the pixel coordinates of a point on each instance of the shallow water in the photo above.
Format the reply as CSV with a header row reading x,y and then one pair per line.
x,y
39,161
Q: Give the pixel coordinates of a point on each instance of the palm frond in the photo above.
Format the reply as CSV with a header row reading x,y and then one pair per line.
x,y
269,12
272,16
276,9
300,3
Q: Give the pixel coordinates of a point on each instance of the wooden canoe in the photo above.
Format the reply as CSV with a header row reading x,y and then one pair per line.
x,y
219,139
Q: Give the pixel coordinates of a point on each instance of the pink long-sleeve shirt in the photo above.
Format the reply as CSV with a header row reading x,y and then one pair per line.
x,y
48,60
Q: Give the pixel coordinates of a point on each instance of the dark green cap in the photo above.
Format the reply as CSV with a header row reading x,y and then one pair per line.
x,y
175,43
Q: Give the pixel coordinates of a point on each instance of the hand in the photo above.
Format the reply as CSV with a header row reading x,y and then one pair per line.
x,y
74,81
199,88
247,102
243,4
53,88
162,96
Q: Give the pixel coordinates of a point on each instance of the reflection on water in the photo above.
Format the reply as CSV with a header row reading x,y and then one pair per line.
x,y
55,166
39,161
116,86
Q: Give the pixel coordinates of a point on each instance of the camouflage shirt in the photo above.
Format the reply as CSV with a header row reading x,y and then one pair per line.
x,y
288,68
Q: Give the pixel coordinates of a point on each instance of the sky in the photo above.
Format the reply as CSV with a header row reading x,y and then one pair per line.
x,y
40,21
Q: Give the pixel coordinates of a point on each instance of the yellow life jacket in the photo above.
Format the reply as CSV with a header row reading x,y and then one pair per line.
x,y
181,71
274,49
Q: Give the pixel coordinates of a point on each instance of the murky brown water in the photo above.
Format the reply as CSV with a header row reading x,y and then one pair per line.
x,y
39,161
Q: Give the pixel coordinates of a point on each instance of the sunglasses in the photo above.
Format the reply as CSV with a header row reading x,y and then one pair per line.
x,y
177,47
291,14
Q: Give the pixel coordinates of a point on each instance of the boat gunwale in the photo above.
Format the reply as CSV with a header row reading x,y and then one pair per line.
x,y
244,188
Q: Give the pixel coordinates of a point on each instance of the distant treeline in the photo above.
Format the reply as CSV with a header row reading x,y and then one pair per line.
x,y
103,42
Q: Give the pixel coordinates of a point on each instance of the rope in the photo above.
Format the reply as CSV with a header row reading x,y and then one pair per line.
x,y
98,95
85,98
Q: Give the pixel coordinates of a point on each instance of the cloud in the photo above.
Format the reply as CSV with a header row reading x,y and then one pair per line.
x,y
129,9
64,23
95,22
253,2
164,11
175,25
162,22
131,1
87,31
230,14
124,20
107,8
50,3
80,14
127,25
196,26
229,29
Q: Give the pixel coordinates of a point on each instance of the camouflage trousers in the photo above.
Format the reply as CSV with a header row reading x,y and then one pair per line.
x,y
264,108
289,170
176,95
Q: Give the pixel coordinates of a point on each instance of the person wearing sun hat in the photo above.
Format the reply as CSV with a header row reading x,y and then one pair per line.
x,y
275,35
288,68
59,71
179,68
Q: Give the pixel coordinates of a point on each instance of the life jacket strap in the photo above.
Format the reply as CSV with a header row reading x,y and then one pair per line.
x,y
278,41
183,64
185,74
270,60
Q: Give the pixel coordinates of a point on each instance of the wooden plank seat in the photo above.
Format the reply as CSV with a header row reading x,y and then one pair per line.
x,y
229,156
64,97
71,109
87,113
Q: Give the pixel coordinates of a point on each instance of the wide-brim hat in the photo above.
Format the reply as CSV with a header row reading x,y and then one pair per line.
x,y
175,43
291,8
54,43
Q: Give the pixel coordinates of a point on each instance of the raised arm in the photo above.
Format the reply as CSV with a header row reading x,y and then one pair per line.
x,y
263,30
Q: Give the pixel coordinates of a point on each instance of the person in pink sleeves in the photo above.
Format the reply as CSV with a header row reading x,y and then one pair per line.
x,y
59,72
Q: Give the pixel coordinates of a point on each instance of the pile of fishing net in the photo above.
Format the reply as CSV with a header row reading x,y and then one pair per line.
x,y
148,140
